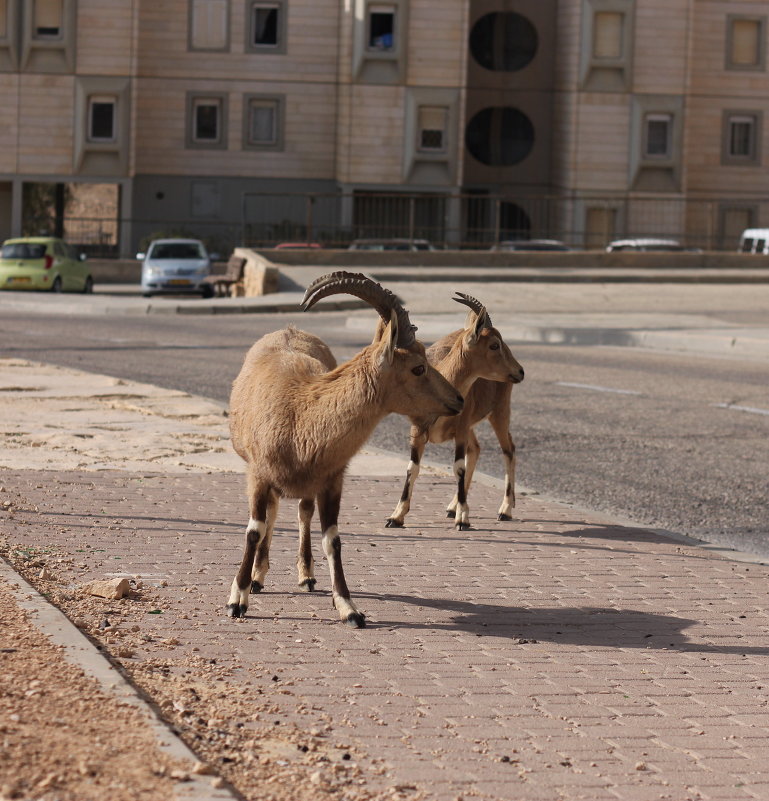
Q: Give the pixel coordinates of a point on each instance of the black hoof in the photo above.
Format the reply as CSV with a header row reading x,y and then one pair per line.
x,y
357,620
504,517
463,527
308,585
236,610
392,523
451,513
256,587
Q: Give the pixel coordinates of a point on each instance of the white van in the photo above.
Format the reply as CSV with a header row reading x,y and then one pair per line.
x,y
754,240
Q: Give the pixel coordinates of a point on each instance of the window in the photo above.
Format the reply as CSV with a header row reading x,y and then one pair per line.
x,y
607,35
102,119
265,26
745,43
381,28
206,114
499,136
503,41
209,25
47,19
432,129
741,137
263,123
657,140
742,132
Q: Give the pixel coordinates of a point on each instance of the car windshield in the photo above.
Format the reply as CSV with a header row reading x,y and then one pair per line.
x,y
23,250
177,250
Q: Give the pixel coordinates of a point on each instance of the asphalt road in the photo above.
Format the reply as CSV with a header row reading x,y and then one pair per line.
x,y
668,440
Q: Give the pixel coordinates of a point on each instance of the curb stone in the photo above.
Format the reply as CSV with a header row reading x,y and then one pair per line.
x,y
80,651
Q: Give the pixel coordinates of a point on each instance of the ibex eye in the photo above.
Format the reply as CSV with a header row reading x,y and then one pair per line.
x,y
494,346
418,370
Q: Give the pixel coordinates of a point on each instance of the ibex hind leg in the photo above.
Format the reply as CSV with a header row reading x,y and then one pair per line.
x,y
305,564
262,560
256,531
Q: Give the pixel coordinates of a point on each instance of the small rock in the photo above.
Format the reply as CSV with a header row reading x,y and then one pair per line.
x,y
112,589
217,782
640,766
203,769
180,775
316,778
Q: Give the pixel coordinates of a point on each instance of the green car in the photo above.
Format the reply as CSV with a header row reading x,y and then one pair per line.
x,y
43,262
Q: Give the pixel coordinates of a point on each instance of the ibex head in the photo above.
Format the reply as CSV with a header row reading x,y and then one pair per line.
x,y
406,381
492,358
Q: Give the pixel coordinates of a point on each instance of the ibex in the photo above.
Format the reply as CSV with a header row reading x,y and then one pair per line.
x,y
481,367
297,419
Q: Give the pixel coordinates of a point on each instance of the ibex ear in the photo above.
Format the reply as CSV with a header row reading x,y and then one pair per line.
x,y
474,327
387,337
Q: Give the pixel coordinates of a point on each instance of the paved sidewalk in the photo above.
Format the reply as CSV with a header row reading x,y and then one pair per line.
x,y
557,656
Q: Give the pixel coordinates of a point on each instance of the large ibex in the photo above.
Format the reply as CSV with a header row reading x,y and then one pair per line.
x,y
479,364
297,419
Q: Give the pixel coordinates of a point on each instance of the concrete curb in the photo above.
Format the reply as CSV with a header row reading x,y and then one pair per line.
x,y
80,651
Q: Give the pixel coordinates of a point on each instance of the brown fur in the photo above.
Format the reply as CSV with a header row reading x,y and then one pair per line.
x,y
297,419
479,364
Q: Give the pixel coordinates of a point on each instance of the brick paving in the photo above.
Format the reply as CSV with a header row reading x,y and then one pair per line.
x,y
553,657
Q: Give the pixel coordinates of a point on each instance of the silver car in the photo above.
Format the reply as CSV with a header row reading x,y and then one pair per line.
x,y
176,265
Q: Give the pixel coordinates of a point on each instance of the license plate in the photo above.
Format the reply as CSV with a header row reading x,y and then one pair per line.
x,y
19,279
179,282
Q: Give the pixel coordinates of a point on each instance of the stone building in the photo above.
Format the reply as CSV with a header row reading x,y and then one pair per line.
x,y
464,122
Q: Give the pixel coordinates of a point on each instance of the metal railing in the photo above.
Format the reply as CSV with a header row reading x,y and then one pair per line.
x,y
473,221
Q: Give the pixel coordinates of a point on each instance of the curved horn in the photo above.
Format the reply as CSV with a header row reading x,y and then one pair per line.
x,y
475,305
361,286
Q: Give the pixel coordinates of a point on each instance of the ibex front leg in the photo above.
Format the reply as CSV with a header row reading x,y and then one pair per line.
x,y
256,531
472,452
500,422
328,510
461,512
418,442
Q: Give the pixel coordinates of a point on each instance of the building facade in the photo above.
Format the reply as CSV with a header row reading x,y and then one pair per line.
x,y
462,120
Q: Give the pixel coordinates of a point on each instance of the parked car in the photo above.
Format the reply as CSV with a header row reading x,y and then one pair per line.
x,y
176,265
390,244
530,244
43,262
646,244
298,246
754,240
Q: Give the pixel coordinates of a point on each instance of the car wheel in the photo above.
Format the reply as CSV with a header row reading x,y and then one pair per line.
x,y
146,294
56,285
207,291
88,286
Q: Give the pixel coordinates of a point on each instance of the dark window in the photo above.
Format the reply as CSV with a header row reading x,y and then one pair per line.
x,y
742,137
102,121
503,41
500,137
265,26
206,122
658,136
381,30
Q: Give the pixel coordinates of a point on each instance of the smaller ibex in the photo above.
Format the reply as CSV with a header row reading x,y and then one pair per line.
x,y
479,364
297,419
